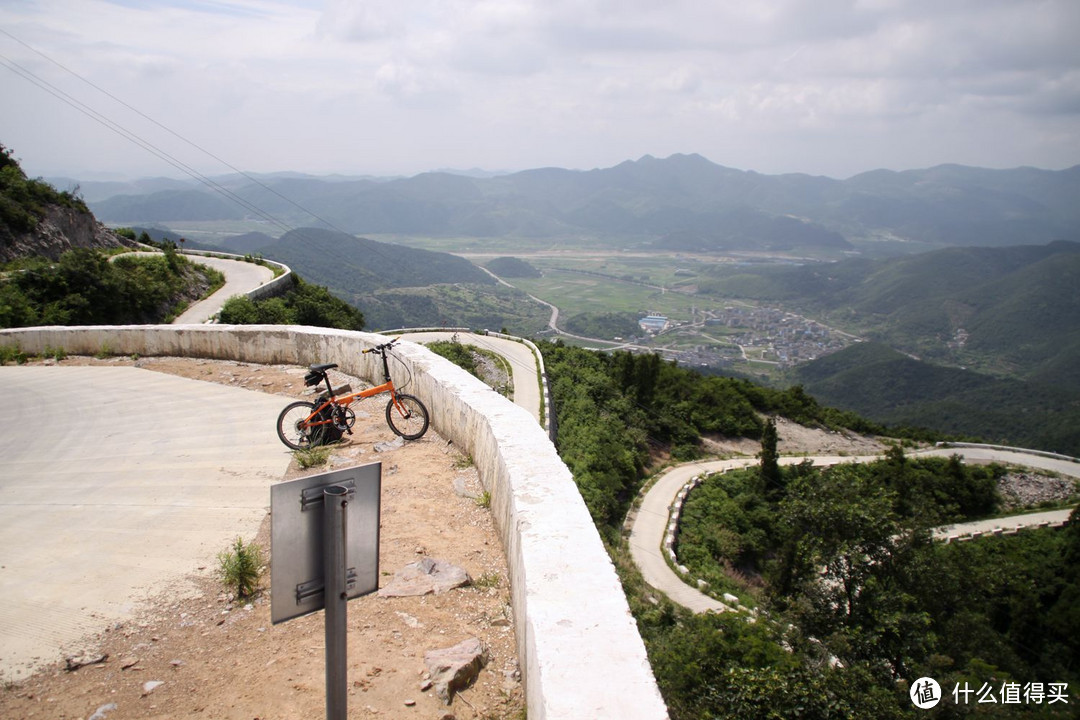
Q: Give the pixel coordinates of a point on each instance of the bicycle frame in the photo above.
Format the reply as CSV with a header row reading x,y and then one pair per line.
x,y
350,398
302,424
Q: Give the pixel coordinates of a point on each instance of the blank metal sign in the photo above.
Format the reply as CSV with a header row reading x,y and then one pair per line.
x,y
296,539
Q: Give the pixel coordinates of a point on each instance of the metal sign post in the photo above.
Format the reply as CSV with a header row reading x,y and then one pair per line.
x,y
335,530
324,550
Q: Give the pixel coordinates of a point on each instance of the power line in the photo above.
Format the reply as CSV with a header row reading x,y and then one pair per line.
x,y
162,154
171,131
135,139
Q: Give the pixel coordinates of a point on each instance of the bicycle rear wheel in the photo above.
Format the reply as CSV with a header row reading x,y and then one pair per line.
x,y
291,427
407,416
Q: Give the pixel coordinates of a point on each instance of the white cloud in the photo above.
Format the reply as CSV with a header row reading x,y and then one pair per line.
x,y
387,86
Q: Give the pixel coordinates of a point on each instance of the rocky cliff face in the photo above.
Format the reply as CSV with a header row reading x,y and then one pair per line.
x,y
60,230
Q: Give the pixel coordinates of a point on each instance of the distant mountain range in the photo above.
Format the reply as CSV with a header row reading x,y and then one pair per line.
x,y
681,203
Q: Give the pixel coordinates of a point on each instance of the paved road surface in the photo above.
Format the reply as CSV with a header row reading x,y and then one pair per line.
x,y
240,278
647,534
650,524
115,481
1009,524
520,357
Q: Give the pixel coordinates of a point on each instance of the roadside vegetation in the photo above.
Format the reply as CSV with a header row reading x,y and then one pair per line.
x,y
485,365
622,415
303,304
240,568
841,559
84,287
854,600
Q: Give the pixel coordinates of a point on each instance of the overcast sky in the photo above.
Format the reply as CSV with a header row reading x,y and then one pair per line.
x,y
390,87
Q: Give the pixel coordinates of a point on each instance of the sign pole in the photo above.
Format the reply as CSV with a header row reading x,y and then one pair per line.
x,y
335,597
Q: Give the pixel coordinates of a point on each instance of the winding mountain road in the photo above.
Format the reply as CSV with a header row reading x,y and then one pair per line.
x,y
240,278
651,522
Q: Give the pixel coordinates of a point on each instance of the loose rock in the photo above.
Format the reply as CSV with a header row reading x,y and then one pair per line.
x,y
74,662
425,577
388,445
99,714
455,668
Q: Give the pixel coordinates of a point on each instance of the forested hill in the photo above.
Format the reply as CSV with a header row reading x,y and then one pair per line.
x,y
353,267
683,202
896,390
38,220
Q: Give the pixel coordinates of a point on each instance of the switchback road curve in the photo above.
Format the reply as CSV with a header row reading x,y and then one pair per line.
x,y
651,522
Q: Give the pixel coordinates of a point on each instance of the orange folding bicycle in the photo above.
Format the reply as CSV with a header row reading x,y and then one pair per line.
x,y
302,424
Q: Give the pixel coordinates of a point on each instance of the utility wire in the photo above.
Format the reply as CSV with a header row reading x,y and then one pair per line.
x,y
132,137
163,155
151,148
172,132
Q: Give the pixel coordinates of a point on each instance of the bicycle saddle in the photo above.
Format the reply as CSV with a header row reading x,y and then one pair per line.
x,y
322,368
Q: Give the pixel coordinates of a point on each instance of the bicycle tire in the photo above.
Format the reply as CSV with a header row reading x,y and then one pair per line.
x,y
288,425
411,425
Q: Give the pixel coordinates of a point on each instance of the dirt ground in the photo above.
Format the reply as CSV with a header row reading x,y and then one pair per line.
x,y
795,439
210,657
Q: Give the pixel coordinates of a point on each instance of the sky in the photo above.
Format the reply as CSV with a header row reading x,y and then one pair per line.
x,y
93,89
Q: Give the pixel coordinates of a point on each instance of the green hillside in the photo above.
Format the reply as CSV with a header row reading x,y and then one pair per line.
x,y
896,390
491,307
352,267
398,286
84,288
512,267
1012,311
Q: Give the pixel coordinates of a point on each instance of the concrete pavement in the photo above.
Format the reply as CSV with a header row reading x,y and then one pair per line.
x,y
115,484
240,278
647,534
1003,525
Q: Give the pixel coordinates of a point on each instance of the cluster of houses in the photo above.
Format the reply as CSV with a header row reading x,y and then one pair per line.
x,y
757,333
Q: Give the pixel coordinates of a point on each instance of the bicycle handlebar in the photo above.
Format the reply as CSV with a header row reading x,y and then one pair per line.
x,y
379,348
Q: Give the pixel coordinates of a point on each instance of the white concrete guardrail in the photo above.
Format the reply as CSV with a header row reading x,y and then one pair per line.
x,y
538,364
578,646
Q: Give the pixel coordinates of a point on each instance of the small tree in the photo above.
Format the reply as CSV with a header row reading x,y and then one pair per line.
x,y
241,566
770,465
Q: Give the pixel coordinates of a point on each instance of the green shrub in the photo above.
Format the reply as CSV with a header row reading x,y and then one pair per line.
x,y
55,353
241,566
12,353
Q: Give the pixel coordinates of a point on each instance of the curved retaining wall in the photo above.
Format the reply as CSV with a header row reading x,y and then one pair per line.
x,y
580,652
271,288
545,392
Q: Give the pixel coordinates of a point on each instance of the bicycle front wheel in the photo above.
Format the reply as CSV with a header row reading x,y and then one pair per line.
x,y
292,428
407,416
